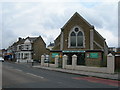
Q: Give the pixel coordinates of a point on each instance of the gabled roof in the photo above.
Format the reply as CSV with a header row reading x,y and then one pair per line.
x,y
14,44
40,38
99,34
57,38
20,41
32,38
77,14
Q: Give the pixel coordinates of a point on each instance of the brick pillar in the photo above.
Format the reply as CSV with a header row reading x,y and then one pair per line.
x,y
110,63
56,60
64,60
74,61
42,60
91,39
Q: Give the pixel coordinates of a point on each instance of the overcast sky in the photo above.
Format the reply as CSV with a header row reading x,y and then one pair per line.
x,y
46,17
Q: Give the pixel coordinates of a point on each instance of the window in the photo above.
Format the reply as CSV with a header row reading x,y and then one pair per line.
x,y
22,55
27,47
22,47
73,37
19,47
76,38
18,55
79,39
26,55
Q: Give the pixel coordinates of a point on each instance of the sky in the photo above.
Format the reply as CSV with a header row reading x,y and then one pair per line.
x,y
22,18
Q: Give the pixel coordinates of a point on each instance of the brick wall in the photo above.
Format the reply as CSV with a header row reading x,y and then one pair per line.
x,y
39,48
93,61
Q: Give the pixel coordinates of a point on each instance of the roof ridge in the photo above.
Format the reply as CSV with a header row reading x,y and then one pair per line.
x,y
76,13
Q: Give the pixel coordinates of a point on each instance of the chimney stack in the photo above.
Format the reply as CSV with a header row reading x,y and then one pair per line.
x,y
19,38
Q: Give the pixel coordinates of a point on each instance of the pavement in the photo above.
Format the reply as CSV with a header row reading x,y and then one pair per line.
x,y
86,73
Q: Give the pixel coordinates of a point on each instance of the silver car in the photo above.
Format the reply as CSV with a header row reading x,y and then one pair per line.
x,y
1,59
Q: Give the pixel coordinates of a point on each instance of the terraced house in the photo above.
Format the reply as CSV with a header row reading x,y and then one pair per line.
x,y
28,49
80,38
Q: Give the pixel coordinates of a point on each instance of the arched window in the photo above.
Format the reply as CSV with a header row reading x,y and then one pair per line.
x,y
73,39
80,39
76,38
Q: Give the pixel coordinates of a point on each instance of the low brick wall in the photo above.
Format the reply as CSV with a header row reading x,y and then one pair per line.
x,y
108,69
52,65
74,66
46,64
68,67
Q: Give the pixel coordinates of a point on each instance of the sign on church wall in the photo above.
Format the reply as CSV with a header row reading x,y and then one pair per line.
x,y
94,55
54,54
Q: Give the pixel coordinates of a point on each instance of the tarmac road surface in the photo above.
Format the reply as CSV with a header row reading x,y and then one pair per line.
x,y
24,76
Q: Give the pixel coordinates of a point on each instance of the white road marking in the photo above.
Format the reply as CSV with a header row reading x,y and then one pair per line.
x,y
18,70
35,75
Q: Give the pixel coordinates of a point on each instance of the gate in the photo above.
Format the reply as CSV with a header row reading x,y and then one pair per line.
x,y
117,62
81,59
60,62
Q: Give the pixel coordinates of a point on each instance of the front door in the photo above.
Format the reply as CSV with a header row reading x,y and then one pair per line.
x,y
60,62
81,59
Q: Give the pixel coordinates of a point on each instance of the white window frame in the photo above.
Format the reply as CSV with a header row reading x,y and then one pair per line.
x,y
69,38
18,49
24,46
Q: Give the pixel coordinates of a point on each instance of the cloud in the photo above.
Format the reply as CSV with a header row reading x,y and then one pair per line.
x,y
46,18
111,39
59,1
8,38
0,25
48,36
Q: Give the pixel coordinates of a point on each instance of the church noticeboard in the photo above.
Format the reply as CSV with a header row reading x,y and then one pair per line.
x,y
93,55
54,54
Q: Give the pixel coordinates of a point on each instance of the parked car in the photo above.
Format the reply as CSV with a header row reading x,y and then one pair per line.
x,y
37,61
1,59
46,61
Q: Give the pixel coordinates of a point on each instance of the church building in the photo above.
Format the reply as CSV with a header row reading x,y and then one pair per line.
x,y
80,38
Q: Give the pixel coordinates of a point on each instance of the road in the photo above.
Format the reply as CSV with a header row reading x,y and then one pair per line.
x,y
25,76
